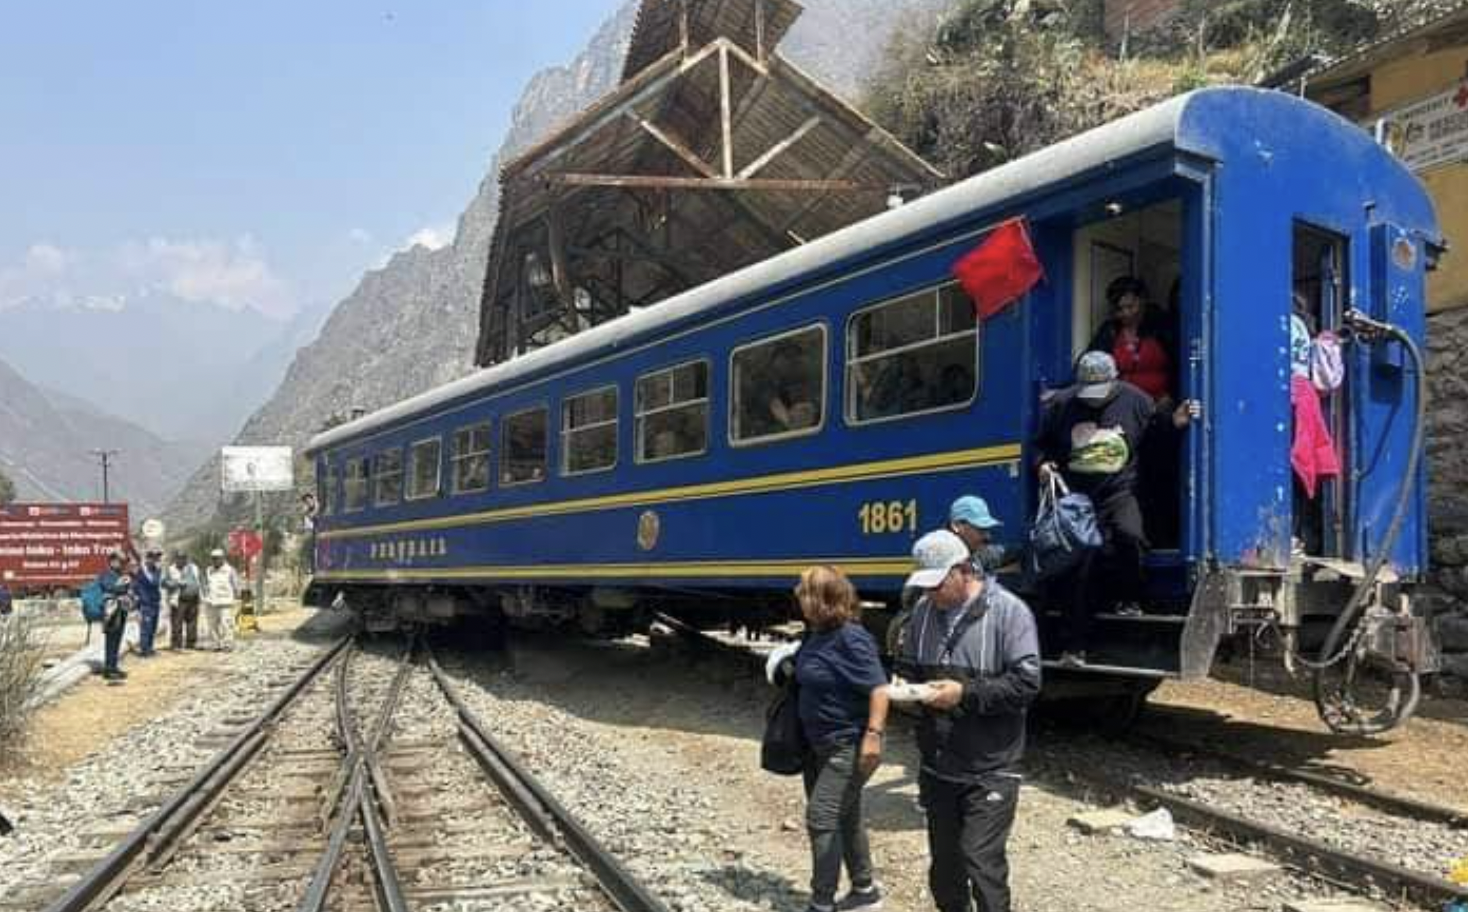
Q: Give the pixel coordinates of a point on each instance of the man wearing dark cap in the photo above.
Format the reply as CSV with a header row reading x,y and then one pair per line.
x,y
148,588
1090,435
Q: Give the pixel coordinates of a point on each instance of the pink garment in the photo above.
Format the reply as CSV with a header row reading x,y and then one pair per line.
x,y
1312,454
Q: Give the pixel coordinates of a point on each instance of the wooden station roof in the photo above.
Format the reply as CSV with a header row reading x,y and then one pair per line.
x,y
712,154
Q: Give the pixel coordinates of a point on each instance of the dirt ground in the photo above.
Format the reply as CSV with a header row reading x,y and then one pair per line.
x,y
1426,759
93,712
692,721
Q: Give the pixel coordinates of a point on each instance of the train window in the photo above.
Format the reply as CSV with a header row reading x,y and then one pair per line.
x,y
779,387
328,490
589,432
471,459
387,478
673,412
354,486
423,468
911,356
523,446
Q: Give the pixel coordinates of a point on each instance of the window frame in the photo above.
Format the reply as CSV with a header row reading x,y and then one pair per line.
x,y
410,476
849,364
456,459
328,492
505,420
638,456
377,501
781,436
615,424
363,463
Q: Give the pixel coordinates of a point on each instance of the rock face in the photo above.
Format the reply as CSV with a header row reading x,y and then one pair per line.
x,y
412,324
46,440
1447,472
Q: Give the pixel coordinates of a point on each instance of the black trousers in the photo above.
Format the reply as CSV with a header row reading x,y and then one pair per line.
x,y
968,837
1106,577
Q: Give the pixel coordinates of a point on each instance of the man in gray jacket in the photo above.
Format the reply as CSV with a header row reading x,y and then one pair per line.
x,y
975,644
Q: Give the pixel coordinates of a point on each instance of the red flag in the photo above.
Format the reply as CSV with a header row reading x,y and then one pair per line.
x,y
999,270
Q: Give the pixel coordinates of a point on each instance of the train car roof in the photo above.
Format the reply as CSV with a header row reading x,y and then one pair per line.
x,y
1205,123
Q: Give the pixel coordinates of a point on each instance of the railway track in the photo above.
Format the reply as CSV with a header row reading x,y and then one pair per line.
x,y
1346,833
369,794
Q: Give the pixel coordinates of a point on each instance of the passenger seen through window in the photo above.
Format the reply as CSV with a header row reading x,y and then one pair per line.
x,y
672,412
914,354
779,385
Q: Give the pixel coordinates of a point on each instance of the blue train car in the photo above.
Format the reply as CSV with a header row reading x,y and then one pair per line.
x,y
827,405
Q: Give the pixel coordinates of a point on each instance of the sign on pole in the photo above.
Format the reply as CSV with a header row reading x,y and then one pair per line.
x,y
153,530
256,469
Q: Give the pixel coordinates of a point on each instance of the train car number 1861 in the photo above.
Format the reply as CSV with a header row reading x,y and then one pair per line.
x,y
887,517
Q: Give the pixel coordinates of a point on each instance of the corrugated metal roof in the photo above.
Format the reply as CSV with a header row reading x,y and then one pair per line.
x,y
658,32
642,199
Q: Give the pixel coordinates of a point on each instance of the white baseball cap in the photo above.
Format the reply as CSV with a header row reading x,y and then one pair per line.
x,y
936,553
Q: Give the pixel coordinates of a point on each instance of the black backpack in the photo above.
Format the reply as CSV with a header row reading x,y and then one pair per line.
x,y
783,749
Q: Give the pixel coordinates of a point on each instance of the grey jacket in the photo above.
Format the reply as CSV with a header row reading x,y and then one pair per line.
x,y
994,652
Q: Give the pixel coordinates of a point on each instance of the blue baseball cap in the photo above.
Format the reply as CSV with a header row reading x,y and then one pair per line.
x,y
974,511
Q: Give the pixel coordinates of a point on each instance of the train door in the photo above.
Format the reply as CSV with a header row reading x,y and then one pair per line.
x,y
1140,253
1319,290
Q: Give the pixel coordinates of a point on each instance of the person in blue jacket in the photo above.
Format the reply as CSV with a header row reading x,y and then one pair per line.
x,y
843,712
117,588
148,590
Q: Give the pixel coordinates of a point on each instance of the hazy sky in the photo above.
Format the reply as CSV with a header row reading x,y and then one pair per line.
x,y
258,153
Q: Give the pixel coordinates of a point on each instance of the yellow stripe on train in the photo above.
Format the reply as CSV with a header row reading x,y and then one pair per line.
x,y
786,481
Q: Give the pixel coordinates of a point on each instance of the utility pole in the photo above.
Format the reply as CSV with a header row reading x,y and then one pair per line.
x,y
106,457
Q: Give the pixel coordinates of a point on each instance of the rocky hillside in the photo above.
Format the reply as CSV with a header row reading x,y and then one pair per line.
x,y
46,439
412,324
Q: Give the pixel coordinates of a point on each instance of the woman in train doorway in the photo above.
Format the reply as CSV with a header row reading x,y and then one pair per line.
x,y
1141,339
1138,340
843,709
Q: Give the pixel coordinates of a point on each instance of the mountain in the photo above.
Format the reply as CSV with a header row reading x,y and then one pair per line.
x,y
180,369
46,439
412,324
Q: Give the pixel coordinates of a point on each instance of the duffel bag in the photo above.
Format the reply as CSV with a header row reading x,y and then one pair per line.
x,y
1063,531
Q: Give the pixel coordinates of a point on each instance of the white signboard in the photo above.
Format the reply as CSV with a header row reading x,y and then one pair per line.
x,y
153,530
246,469
1430,132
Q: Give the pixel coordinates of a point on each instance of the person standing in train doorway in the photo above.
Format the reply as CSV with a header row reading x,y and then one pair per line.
x,y
974,644
1091,435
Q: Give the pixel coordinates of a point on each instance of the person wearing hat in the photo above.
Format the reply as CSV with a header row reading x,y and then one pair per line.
x,y
1090,435
969,518
974,644
117,590
184,584
221,591
148,589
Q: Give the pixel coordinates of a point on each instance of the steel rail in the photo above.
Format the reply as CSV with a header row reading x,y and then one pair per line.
x,y
542,811
1309,855
358,775
1391,802
154,835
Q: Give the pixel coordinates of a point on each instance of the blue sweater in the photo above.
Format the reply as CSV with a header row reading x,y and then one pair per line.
x,y
837,671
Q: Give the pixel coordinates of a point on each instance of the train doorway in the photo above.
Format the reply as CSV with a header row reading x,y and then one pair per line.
x,y
1140,253
1318,285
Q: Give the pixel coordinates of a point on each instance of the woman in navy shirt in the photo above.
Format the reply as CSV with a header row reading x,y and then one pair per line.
x,y
843,709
